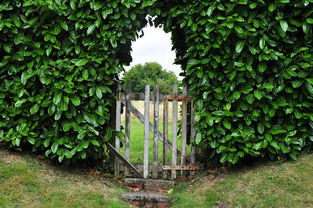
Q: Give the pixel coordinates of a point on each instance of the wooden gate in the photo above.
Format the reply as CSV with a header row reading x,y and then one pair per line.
x,y
180,160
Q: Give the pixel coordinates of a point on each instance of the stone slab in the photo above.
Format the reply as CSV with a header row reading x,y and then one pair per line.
x,y
145,197
149,182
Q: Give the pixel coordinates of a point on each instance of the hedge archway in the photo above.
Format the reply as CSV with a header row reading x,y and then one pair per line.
x,y
248,65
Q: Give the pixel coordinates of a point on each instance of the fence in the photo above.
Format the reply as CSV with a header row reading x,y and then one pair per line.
x,y
178,160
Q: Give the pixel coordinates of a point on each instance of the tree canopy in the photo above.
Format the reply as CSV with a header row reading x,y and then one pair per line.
x,y
150,73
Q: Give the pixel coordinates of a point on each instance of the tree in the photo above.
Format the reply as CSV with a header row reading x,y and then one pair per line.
x,y
150,73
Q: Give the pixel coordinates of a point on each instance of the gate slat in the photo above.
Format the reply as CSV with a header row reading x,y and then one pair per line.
x,y
141,118
174,130
127,124
192,137
156,132
118,128
146,132
184,128
165,135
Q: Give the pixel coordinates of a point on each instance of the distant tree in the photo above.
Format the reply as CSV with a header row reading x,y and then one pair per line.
x,y
150,73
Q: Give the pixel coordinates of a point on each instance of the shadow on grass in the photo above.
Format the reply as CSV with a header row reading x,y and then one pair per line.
x,y
27,181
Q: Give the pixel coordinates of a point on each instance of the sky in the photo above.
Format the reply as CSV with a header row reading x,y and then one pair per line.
x,y
154,46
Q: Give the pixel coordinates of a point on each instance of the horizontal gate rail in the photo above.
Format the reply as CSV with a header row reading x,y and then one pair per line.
x,y
180,167
141,97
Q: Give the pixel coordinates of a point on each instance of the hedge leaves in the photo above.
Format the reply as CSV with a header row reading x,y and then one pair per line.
x,y
58,64
248,66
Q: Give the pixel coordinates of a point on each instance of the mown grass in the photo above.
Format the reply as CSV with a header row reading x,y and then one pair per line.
x,y
26,181
280,185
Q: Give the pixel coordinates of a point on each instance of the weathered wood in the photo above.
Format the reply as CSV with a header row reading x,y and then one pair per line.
x,y
176,97
192,137
180,167
141,97
165,135
124,160
146,132
184,128
127,124
118,128
174,135
156,132
141,118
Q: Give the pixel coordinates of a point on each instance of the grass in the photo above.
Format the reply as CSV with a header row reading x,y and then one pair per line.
x,y
280,185
26,181
30,182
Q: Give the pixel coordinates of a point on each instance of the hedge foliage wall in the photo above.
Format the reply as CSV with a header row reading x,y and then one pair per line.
x,y
58,63
248,65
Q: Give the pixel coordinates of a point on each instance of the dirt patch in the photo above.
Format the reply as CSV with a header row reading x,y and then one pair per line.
x,y
8,157
222,204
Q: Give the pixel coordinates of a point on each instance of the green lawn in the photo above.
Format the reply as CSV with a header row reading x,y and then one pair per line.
x,y
279,185
29,182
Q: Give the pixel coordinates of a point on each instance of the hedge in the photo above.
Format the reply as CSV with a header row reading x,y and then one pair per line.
x,y
248,65
58,64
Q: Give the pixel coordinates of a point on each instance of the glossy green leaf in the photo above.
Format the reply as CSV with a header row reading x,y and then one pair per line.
x,y
227,124
34,109
57,98
284,25
75,100
260,128
239,46
99,93
257,94
309,20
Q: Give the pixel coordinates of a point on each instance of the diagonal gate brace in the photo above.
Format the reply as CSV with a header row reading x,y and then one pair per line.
x,y
121,157
142,120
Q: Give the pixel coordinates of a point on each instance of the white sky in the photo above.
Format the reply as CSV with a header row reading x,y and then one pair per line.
x,y
154,46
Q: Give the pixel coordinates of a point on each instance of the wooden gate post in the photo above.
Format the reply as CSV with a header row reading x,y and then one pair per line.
x,y
192,138
165,136
174,130
127,124
184,129
118,128
146,132
156,132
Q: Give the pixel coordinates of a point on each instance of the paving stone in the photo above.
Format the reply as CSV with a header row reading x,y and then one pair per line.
x,y
149,182
145,197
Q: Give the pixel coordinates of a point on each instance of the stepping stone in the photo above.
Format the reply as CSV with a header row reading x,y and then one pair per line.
x,y
156,182
147,199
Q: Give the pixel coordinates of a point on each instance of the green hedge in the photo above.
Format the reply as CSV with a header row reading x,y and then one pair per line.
x,y
58,64
248,65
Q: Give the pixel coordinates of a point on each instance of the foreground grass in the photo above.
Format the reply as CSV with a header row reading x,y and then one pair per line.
x,y
26,181
284,185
